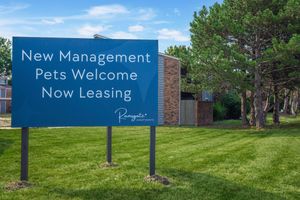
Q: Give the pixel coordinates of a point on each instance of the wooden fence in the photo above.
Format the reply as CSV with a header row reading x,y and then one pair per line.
x,y
187,112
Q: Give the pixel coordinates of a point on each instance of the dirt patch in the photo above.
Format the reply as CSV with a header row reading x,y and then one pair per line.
x,y
17,185
108,165
156,178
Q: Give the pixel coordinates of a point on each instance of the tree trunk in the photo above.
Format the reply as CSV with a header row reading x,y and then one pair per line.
x,y
294,103
245,121
252,110
286,102
276,120
266,108
259,114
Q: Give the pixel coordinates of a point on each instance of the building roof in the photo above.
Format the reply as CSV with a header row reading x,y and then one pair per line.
x,y
168,56
98,36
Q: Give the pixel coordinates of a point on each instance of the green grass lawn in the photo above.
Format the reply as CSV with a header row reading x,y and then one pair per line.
x,y
218,162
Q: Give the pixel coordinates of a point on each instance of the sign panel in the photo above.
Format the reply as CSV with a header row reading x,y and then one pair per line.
x,y
84,82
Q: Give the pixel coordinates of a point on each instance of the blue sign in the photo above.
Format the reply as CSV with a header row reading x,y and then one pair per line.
x,y
84,82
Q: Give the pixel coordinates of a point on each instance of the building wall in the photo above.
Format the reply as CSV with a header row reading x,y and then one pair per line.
x,y
204,113
196,112
161,85
2,101
8,102
5,99
171,91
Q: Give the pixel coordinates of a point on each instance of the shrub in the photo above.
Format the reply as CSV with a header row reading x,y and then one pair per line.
x,y
219,111
229,106
232,102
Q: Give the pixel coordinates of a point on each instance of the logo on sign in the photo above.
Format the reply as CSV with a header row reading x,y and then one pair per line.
x,y
123,115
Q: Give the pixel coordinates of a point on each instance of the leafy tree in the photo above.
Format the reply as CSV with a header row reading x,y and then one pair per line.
x,y
184,55
229,42
5,57
219,63
258,24
282,68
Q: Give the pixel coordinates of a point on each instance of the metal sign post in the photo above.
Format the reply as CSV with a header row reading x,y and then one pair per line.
x,y
152,149
108,144
24,154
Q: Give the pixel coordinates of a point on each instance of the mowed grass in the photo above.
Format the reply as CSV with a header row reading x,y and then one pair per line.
x,y
217,162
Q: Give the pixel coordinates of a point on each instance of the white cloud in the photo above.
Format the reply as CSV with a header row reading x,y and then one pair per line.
x,y
53,21
107,10
6,33
13,22
136,28
171,34
88,30
176,11
7,22
123,35
5,9
146,14
161,22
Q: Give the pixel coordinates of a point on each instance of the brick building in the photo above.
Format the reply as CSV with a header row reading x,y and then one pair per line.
x,y
175,107
168,90
5,96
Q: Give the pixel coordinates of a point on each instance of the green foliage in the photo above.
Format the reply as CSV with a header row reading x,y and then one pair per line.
x,y
185,56
219,111
218,61
229,40
183,53
228,107
243,45
5,57
232,102
284,62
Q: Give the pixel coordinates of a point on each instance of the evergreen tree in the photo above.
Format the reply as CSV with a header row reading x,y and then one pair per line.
x,y
5,57
229,43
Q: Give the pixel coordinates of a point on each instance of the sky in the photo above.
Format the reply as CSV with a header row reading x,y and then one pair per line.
x,y
168,21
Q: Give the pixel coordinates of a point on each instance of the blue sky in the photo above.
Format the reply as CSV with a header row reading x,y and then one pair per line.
x,y
168,21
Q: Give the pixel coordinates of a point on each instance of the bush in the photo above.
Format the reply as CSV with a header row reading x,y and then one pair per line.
x,y
229,107
219,111
232,102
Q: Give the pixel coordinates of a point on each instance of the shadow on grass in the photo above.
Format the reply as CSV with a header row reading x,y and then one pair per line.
x,y
5,144
205,186
185,185
286,125
285,129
